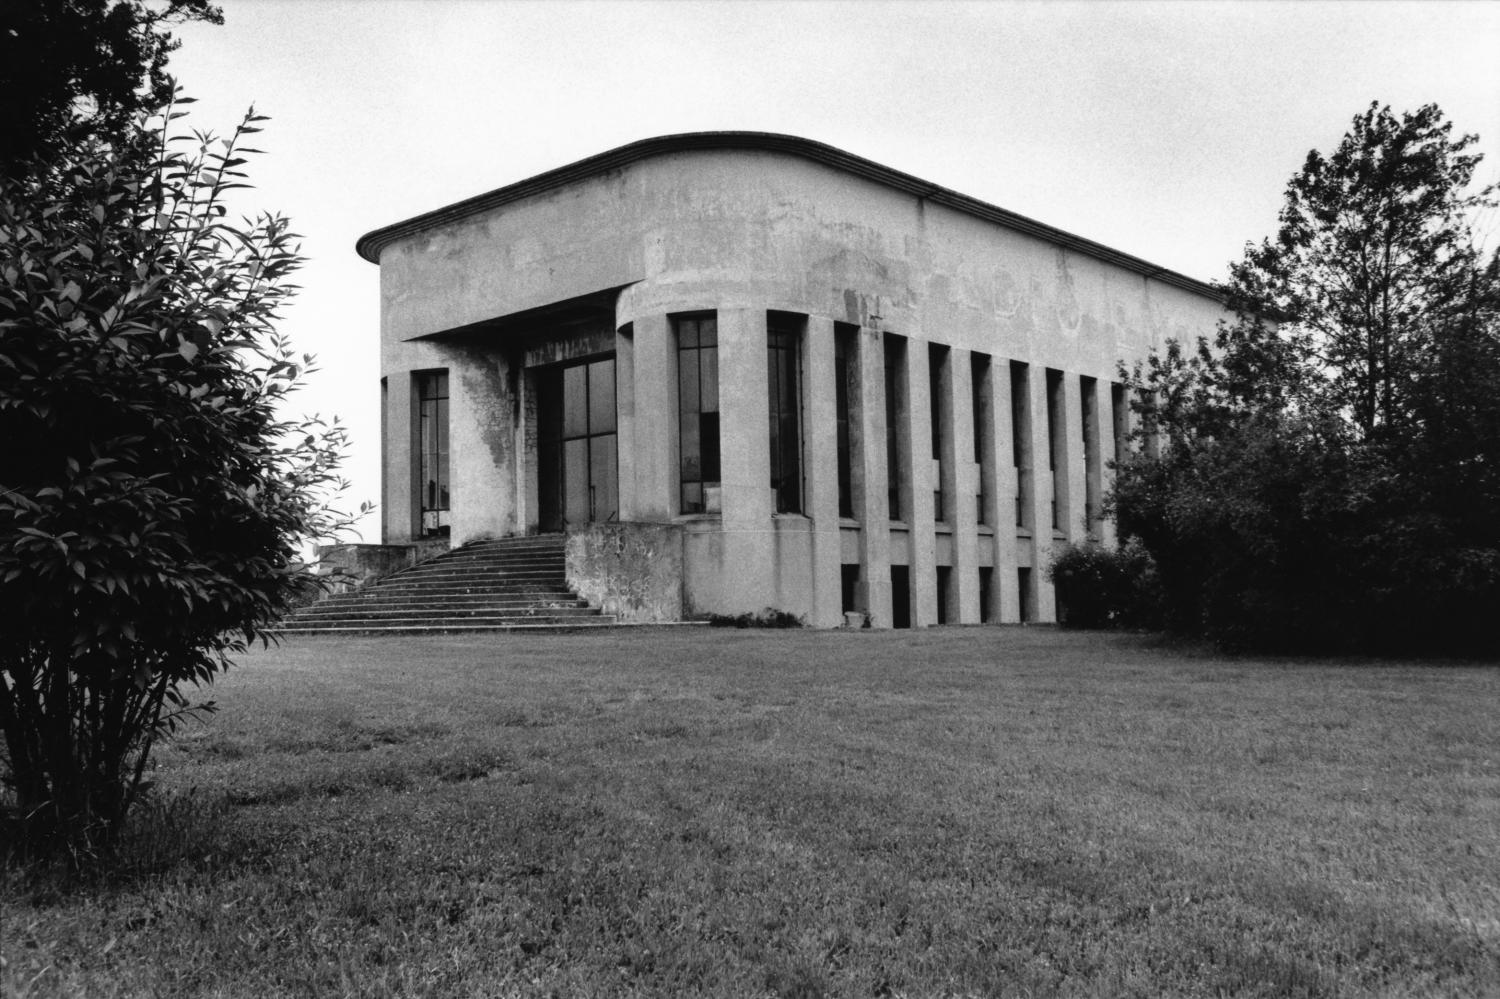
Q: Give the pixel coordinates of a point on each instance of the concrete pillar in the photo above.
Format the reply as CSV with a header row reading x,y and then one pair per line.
x,y
867,442
917,451
626,437
1073,510
481,440
821,469
1001,454
745,461
528,447
654,396
962,483
398,519
1041,486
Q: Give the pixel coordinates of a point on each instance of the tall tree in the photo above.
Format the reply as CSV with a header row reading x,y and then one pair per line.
x,y
70,67
1328,469
1373,261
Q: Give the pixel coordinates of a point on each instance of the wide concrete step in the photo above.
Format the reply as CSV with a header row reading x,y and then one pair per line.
x,y
504,548
449,584
421,597
443,611
448,623
550,573
352,631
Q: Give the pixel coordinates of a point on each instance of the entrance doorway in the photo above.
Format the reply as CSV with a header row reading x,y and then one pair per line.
x,y
577,459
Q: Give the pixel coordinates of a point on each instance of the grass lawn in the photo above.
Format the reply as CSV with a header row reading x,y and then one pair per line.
x,y
956,812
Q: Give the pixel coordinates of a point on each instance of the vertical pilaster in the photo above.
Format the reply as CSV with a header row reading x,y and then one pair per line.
x,y
398,520
962,483
868,432
821,468
1042,493
654,394
1073,512
918,454
626,437
1007,486
745,460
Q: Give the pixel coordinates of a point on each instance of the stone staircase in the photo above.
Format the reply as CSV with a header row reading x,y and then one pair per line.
x,y
511,584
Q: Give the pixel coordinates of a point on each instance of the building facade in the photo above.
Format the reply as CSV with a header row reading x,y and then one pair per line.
x,y
780,374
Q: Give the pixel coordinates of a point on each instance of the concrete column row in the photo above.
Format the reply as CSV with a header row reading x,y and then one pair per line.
x,y
646,366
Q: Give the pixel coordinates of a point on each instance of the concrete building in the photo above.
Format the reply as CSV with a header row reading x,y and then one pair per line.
x,y
746,370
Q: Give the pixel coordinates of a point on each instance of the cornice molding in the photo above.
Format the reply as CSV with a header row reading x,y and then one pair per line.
x,y
372,243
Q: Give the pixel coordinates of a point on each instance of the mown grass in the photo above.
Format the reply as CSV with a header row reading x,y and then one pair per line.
x,y
995,812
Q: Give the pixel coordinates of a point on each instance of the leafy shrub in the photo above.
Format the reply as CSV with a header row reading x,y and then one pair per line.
x,y
1099,587
768,618
155,498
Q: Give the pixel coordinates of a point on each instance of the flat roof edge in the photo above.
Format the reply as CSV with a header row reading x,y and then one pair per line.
x,y
371,243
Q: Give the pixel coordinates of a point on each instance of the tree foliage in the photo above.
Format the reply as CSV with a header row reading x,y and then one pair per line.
x,y
154,496
74,67
1327,469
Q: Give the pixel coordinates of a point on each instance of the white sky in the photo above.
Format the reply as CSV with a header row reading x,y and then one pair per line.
x,y
1167,130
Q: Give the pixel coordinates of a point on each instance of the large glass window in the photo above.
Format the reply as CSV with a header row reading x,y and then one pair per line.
x,y
698,412
937,373
783,343
1093,504
1056,445
590,484
895,407
844,360
1020,438
980,392
432,437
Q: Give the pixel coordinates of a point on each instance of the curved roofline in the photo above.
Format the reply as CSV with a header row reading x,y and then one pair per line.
x,y
371,243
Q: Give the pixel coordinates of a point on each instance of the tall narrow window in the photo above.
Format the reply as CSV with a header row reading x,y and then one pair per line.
x,y
1020,430
895,406
784,378
698,412
844,357
1119,405
937,370
432,436
1056,420
1093,470
981,394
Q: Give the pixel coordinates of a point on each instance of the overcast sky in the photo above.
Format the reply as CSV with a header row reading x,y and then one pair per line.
x,y
1167,130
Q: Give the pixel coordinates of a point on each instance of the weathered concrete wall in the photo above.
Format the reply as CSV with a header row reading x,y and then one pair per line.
x,y
633,571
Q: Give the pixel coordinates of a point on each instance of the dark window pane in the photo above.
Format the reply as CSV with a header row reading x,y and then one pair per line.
x,y
687,381
602,397
708,331
576,481
708,424
604,477
692,462
708,361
